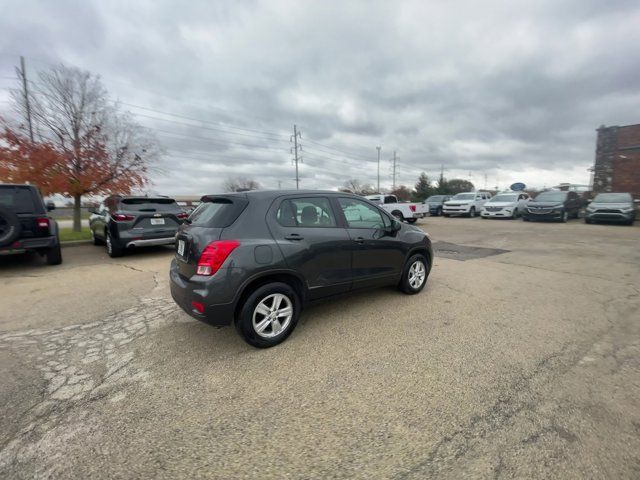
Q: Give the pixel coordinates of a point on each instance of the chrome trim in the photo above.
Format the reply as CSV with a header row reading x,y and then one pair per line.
x,y
151,242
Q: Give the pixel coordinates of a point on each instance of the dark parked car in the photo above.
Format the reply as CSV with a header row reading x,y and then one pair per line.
x,y
254,259
25,225
611,207
435,203
553,205
127,222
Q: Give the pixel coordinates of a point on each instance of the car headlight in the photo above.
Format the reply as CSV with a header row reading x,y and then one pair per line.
x,y
627,209
591,209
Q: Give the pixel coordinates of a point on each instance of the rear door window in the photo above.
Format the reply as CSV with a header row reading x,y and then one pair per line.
x,y
18,199
306,212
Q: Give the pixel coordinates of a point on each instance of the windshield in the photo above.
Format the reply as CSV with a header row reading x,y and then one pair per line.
x,y
504,198
613,198
435,198
551,197
464,196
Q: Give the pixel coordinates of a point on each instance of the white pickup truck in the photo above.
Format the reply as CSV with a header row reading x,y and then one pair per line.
x,y
410,212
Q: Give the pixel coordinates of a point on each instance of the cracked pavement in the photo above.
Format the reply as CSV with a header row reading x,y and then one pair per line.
x,y
523,362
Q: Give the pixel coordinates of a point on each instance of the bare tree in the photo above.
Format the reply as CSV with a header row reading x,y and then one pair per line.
x,y
354,185
104,149
241,184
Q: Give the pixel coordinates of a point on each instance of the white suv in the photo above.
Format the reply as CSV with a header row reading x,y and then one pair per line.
x,y
468,204
506,205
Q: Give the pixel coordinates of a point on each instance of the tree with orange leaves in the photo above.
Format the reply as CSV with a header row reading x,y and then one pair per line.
x,y
84,144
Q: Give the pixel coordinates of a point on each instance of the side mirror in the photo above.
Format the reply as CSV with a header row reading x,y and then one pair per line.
x,y
589,200
50,206
93,211
395,226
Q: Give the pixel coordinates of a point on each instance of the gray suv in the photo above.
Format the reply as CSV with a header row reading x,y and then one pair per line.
x,y
254,259
127,222
612,207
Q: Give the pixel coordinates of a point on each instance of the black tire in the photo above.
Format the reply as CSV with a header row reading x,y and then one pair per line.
x,y
438,211
113,249
525,219
445,215
405,283
630,222
54,255
244,322
587,220
515,214
10,227
472,212
94,239
412,220
398,215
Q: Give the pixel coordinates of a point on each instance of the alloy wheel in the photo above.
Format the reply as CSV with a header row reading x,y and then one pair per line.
x,y
272,315
417,274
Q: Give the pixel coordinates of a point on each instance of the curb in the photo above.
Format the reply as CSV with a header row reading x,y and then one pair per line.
x,y
75,243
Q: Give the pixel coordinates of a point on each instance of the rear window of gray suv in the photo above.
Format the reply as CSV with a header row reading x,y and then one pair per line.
x,y
218,212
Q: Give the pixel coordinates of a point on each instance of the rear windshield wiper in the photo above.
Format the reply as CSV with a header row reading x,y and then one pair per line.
x,y
147,210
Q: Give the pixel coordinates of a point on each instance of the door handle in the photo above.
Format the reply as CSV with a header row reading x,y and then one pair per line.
x,y
359,240
293,236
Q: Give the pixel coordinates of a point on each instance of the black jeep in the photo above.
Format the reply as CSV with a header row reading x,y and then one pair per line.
x,y
25,225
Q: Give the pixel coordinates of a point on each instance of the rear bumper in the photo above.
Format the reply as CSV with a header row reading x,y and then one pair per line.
x,y
29,245
214,293
151,242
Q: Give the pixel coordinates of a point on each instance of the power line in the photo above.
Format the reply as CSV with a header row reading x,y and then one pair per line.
x,y
199,120
338,150
205,128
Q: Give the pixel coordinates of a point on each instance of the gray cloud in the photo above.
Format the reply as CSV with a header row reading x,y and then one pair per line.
x,y
502,89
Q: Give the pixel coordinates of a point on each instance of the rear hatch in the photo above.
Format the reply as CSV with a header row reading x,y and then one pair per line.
x,y
205,225
152,217
26,203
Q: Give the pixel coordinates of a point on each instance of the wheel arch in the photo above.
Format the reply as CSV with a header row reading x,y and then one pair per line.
x,y
290,278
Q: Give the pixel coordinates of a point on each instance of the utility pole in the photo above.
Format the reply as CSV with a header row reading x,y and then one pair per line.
x,y
394,169
294,138
378,148
25,91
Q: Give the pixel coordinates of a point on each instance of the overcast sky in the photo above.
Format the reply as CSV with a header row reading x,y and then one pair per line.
x,y
507,91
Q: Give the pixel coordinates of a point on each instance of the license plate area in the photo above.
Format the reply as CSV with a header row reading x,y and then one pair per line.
x,y
157,221
181,248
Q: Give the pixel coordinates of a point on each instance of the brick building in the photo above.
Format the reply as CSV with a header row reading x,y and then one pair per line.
x,y
617,166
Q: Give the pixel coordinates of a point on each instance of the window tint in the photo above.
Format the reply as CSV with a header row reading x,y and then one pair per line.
x,y
149,204
18,199
306,212
360,214
218,212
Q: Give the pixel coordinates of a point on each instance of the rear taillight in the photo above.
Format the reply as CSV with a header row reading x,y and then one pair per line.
x,y
122,217
412,208
183,215
43,223
214,255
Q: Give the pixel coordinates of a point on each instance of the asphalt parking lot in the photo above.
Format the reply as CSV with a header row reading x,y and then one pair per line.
x,y
521,359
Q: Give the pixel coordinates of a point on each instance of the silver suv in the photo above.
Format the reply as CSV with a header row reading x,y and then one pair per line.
x,y
616,207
